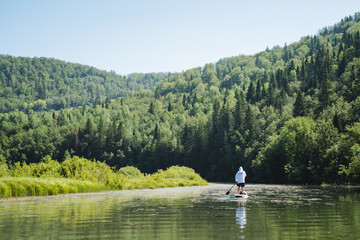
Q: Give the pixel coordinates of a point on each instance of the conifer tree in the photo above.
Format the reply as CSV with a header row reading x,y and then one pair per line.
x,y
325,90
88,141
299,105
270,98
195,99
199,150
216,118
110,142
336,121
151,108
291,66
273,81
303,71
101,136
156,133
250,126
157,93
107,102
250,96
170,108
184,101
239,112
263,92
120,133
258,91
227,124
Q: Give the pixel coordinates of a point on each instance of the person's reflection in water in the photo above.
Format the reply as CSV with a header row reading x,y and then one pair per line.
x,y
241,214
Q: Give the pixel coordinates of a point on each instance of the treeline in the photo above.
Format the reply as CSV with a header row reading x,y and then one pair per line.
x,y
41,84
287,115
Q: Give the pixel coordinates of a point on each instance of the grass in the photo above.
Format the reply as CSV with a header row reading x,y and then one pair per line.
x,y
33,186
79,175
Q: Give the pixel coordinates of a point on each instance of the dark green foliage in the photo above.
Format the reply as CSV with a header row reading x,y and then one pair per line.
x,y
151,108
43,83
170,108
258,91
299,105
286,114
251,95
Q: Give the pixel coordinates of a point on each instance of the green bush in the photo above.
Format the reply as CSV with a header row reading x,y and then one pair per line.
x,y
46,168
21,170
131,172
4,170
95,171
173,177
180,173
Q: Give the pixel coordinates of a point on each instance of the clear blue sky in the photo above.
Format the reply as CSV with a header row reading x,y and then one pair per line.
x,y
159,35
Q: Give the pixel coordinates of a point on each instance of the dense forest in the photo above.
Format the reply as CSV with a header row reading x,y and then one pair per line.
x,y
288,114
44,84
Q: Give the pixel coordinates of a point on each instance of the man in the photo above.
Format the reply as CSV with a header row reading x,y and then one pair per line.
x,y
240,181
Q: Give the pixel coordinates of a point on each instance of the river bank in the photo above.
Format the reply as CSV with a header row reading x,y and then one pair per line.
x,y
77,175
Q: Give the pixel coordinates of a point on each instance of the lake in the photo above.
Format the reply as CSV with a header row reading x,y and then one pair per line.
x,y
270,212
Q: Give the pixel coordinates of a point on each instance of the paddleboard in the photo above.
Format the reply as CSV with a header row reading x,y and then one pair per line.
x,y
232,197
241,196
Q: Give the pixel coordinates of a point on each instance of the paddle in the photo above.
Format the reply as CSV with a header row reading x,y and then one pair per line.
x,y
228,192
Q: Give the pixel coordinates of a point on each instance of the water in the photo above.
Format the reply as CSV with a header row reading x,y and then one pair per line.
x,y
270,212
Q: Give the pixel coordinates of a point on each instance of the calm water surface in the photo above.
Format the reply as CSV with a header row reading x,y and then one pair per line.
x,y
270,212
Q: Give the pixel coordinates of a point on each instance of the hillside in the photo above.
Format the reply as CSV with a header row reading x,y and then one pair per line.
x,y
44,84
287,115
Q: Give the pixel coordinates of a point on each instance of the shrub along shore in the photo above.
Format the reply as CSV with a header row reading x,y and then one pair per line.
x,y
78,175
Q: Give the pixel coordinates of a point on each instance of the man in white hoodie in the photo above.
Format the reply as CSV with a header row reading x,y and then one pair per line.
x,y
240,181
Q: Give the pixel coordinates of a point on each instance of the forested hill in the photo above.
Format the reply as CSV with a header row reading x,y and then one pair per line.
x,y
44,83
287,115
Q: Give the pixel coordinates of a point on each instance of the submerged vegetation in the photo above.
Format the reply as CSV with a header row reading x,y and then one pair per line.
x,y
75,175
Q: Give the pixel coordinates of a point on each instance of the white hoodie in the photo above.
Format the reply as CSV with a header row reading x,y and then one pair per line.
x,y
240,176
